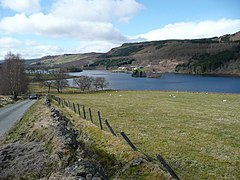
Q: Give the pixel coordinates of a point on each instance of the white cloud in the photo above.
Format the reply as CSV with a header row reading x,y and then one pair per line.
x,y
82,19
51,26
29,49
191,30
22,6
95,46
96,10
89,22
126,9
9,42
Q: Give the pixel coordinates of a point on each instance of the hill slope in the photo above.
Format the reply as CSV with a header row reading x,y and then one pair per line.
x,y
213,55
66,60
217,55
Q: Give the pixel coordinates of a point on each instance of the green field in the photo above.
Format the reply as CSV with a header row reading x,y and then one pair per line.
x,y
197,133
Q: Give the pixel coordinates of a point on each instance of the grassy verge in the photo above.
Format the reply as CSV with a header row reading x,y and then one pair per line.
x,y
197,133
31,128
26,127
113,153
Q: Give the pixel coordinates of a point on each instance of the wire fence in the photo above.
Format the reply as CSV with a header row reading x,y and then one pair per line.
x,y
88,115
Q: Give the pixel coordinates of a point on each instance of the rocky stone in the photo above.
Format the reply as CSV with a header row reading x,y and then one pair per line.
x,y
136,162
86,168
89,177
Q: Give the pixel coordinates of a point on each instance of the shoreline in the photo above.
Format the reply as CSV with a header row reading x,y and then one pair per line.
x,y
162,73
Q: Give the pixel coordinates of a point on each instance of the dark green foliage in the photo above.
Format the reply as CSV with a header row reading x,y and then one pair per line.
x,y
225,38
139,73
112,62
72,69
206,63
201,41
160,46
125,51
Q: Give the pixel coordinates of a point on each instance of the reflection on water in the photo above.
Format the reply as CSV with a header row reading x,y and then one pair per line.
x,y
168,82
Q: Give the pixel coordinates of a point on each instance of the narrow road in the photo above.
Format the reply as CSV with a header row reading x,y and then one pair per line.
x,y
11,114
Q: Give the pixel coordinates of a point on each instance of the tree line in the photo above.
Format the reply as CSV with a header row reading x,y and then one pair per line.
x,y
86,82
14,79
83,82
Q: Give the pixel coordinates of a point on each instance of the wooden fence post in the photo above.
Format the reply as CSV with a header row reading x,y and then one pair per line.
x,y
110,128
100,120
169,169
78,106
90,114
69,105
128,141
74,108
84,112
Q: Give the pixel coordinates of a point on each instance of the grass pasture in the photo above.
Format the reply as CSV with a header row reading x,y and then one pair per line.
x,y
197,133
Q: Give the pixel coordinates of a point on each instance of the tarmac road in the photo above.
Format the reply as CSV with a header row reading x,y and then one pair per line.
x,y
13,113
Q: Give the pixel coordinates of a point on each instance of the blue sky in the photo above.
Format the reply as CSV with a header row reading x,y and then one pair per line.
x,y
35,28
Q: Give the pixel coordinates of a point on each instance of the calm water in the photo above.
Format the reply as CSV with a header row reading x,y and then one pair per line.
x,y
168,82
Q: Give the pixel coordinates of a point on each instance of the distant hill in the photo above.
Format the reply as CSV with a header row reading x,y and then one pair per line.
x,y
217,55
66,60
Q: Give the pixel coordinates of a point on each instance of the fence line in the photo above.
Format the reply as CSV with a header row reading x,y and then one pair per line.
x,y
77,110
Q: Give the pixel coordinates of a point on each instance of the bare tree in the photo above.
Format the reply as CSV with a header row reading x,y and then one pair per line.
x,y
100,82
13,79
60,84
48,84
59,80
84,82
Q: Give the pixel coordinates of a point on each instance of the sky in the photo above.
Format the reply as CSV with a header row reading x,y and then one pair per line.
x,y
36,28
